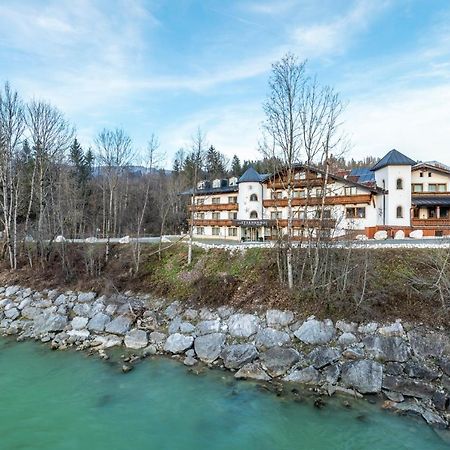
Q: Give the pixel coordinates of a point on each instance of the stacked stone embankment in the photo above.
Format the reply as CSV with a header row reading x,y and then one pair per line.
x,y
406,364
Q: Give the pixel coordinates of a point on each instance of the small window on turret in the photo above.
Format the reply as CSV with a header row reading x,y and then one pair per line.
x,y
399,212
399,183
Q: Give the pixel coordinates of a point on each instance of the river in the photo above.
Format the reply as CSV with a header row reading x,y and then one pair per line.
x,y
67,401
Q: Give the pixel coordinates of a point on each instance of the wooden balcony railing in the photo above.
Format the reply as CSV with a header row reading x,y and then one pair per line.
x,y
432,222
311,182
330,200
213,223
215,207
430,194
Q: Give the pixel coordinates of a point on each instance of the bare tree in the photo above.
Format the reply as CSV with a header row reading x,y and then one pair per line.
x,y
51,135
283,126
114,153
198,153
12,126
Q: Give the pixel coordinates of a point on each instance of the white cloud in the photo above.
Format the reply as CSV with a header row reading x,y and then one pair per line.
x,y
414,121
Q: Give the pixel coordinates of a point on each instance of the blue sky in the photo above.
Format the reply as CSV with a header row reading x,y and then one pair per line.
x,y
171,66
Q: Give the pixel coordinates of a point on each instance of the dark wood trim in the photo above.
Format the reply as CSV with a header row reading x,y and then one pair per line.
x,y
215,207
314,201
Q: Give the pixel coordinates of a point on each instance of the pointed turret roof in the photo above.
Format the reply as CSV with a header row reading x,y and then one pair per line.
x,y
393,158
250,176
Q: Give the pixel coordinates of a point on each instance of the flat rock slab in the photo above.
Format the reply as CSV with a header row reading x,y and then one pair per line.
x,y
243,325
276,318
98,322
366,376
79,323
323,356
252,371
309,375
136,339
237,355
387,348
316,332
120,325
406,386
209,346
178,343
278,360
270,337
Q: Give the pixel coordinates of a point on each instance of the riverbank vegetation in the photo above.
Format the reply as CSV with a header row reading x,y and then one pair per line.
x,y
362,284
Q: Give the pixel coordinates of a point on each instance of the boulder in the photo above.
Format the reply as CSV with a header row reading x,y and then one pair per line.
x,y
82,309
276,318
237,355
98,322
12,313
186,328
366,376
225,311
399,234
416,234
31,313
346,327
243,325
252,371
412,407
309,375
157,338
278,360
395,329
173,310
380,235
178,343
86,297
346,339
78,335
11,290
60,300
208,327
408,387
368,328
47,322
136,339
323,356
124,240
316,332
191,314
425,344
331,373
387,348
120,325
107,341
269,337
209,346
24,303
79,323
444,364
416,370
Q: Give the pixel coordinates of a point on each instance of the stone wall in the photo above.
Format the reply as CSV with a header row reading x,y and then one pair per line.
x,y
406,364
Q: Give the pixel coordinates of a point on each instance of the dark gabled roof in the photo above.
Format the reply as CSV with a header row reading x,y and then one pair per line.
x,y
363,175
211,190
431,200
250,176
393,158
433,165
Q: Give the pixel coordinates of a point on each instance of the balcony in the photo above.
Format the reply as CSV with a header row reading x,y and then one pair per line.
x,y
214,207
329,200
442,222
309,182
213,222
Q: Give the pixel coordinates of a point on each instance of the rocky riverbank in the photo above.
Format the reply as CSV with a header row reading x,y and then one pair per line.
x,y
406,364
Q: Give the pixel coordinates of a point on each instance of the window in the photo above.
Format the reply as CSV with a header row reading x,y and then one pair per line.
x,y
232,231
437,187
355,213
215,216
200,201
319,192
299,214
199,230
417,187
200,216
276,194
215,200
232,215
216,231
429,174
421,174
232,199
253,215
399,184
253,198
399,212
299,194
326,214
350,190
274,215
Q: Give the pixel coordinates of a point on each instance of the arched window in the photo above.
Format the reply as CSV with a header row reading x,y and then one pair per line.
x,y
399,183
399,212
253,198
253,215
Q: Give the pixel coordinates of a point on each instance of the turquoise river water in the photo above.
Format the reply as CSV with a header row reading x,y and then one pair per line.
x,y
67,400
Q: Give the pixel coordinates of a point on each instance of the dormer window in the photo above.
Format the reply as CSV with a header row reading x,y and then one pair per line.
x,y
253,198
399,184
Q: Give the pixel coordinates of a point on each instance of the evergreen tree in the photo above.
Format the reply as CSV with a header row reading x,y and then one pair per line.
x,y
236,169
215,163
